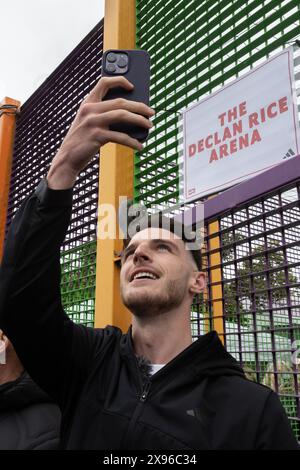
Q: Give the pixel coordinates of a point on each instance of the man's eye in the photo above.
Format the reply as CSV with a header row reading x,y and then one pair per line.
x,y
129,253
163,247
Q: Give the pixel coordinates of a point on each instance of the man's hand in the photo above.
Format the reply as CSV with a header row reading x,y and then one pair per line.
x,y
90,130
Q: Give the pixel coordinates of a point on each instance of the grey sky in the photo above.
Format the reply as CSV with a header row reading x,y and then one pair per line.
x,y
36,35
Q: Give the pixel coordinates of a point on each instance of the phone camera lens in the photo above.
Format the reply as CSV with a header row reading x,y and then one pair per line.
x,y
111,57
111,68
122,62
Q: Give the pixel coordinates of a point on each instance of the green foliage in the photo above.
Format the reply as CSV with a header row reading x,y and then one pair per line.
x,y
250,372
285,377
248,291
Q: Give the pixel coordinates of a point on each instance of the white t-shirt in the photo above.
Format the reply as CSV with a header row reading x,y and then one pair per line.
x,y
155,368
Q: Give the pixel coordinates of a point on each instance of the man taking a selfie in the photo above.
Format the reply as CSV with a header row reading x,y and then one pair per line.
x,y
152,388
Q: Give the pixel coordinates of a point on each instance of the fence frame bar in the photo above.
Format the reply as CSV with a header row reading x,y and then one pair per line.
x,y
116,179
8,115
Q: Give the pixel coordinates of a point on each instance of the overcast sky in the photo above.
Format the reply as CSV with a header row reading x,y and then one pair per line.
x,y
36,35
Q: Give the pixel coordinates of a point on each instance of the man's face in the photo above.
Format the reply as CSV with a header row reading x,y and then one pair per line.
x,y
157,274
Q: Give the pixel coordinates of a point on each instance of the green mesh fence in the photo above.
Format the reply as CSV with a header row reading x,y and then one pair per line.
x,y
78,280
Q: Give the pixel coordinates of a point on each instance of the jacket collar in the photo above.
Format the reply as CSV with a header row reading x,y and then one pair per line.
x,y
205,356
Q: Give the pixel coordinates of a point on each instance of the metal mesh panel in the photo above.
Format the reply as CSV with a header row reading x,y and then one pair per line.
x,y
260,285
195,48
78,282
44,121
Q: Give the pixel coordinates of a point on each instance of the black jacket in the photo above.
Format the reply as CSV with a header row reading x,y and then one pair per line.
x,y
199,400
28,419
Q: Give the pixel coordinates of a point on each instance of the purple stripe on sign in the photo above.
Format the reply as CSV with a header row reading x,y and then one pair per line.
x,y
267,181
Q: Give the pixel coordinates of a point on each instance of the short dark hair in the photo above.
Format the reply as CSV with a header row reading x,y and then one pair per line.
x,y
187,235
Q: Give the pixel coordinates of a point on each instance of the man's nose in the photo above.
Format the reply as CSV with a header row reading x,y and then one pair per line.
x,y
141,253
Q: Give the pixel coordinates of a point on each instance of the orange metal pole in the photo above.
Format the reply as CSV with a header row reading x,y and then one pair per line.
x,y
116,179
216,278
8,109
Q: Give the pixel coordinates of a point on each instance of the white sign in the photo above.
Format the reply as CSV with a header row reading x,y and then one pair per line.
x,y
246,127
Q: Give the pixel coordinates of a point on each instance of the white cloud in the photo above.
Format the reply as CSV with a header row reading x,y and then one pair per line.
x,y
36,36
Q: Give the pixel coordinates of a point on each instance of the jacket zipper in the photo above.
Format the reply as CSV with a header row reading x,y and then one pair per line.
x,y
145,392
142,399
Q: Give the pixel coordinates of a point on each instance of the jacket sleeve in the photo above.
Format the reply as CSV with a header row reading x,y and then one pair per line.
x,y
55,351
275,432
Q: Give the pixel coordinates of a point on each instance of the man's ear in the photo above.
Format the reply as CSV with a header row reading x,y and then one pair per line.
x,y
198,282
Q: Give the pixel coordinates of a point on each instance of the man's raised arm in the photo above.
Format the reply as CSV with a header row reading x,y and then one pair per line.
x,y
54,350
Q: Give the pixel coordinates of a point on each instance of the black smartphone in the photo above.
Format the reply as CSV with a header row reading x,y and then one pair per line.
x,y
135,66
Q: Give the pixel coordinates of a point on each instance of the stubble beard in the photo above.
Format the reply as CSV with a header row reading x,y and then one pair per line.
x,y
147,303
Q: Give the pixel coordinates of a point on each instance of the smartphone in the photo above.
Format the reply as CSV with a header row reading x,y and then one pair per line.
x,y
135,66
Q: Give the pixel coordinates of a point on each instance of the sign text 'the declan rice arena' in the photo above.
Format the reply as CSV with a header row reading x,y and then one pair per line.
x,y
246,127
